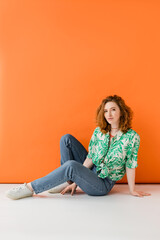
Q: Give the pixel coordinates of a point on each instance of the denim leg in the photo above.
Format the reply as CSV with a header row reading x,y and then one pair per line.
x,y
71,149
72,170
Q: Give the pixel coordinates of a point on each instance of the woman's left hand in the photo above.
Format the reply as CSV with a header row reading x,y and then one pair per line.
x,y
71,187
140,193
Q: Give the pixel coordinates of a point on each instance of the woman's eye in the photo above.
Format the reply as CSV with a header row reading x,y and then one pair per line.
x,y
112,109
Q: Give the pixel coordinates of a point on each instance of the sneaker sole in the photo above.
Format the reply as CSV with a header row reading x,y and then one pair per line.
x,y
14,198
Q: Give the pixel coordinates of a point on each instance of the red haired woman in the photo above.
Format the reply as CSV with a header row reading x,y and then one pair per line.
x,y
113,151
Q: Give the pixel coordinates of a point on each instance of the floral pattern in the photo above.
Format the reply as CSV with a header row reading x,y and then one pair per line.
x,y
111,161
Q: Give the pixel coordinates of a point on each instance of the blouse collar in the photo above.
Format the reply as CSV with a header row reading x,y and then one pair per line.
x,y
117,136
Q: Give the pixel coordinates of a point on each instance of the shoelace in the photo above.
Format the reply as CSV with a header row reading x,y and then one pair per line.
x,y
18,188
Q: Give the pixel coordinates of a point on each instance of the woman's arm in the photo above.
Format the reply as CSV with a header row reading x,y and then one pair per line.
x,y
131,178
88,163
131,182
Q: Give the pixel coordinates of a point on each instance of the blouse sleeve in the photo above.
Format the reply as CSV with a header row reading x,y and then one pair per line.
x,y
90,147
132,152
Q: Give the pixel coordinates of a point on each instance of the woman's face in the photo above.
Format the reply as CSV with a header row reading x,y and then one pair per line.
x,y
112,110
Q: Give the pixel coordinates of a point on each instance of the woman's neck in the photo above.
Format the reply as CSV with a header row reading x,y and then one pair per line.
x,y
114,131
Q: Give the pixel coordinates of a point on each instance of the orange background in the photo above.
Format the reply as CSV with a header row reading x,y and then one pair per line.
x,y
58,60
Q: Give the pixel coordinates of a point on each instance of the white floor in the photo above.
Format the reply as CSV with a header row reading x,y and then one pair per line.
x,y
117,216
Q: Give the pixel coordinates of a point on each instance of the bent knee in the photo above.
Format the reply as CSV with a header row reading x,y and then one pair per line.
x,y
65,137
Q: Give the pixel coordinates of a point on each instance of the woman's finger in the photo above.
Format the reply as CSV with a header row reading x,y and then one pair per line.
x,y
145,194
139,195
72,192
64,190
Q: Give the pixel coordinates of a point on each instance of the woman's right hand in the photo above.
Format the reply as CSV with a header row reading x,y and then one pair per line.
x,y
71,187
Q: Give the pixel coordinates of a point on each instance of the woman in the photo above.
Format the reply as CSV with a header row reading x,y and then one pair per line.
x,y
113,150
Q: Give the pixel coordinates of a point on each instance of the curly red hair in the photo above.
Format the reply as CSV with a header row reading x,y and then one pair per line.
x,y
125,118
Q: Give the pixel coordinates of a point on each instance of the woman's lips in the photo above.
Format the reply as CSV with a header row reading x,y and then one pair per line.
x,y
110,118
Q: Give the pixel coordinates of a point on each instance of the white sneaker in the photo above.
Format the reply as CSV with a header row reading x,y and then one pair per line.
x,y
21,191
58,188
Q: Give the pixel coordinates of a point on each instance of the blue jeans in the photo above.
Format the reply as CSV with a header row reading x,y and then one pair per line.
x,y
73,154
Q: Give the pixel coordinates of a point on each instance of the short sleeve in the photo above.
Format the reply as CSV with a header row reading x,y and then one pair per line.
x,y
132,152
91,143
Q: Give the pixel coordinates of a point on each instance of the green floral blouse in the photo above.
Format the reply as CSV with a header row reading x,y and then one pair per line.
x,y
122,153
